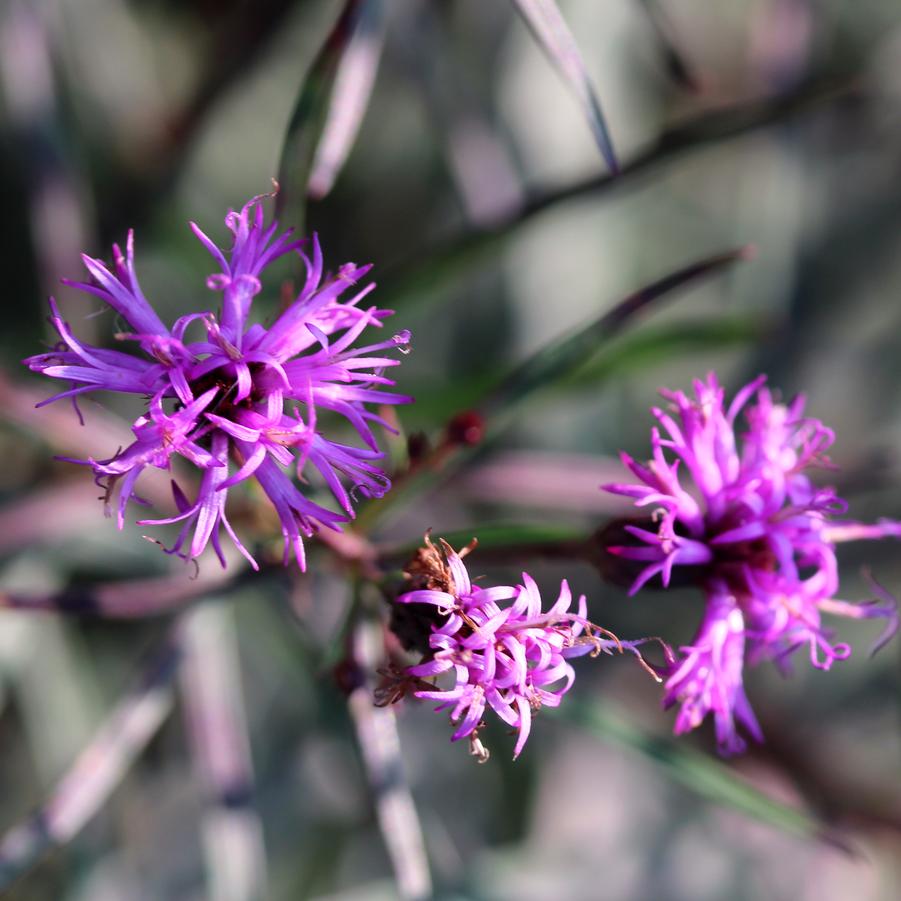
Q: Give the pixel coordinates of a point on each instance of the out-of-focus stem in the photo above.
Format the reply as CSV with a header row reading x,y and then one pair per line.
x,y
133,598
677,66
376,729
217,726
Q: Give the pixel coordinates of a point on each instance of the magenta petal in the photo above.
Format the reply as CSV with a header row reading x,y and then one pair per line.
x,y
525,725
438,598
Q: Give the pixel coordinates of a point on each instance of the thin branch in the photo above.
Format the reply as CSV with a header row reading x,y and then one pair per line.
x,y
132,598
46,514
164,595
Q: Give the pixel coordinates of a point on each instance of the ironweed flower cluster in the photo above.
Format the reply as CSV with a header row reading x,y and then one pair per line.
x,y
239,400
739,509
510,657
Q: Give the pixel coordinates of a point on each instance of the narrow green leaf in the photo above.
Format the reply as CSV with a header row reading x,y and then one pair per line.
x,y
562,357
551,31
353,85
309,118
703,775
649,347
652,346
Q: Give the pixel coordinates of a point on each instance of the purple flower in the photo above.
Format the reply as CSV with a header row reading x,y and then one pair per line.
x,y
239,400
708,677
511,658
739,511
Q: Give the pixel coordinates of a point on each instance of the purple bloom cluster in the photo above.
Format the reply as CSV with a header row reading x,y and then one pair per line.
x,y
513,659
759,536
239,400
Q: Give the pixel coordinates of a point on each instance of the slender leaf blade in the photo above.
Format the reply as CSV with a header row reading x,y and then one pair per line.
x,y
649,347
549,28
353,84
564,356
653,345
309,118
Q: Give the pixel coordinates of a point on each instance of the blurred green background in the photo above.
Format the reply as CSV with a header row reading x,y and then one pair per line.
x,y
775,123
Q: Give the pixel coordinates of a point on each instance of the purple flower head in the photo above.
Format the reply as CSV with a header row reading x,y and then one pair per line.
x,y
708,677
237,399
503,652
737,508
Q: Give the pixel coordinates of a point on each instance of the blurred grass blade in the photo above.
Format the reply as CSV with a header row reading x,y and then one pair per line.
x,y
99,768
562,357
308,120
703,775
350,97
232,832
556,40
